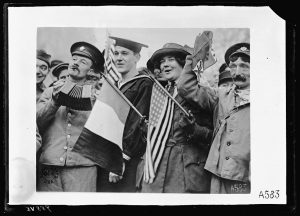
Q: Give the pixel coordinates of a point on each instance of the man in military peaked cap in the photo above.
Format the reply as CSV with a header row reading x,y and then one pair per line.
x,y
62,169
229,157
42,69
137,87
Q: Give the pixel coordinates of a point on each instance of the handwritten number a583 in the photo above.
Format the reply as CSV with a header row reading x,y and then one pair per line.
x,y
272,194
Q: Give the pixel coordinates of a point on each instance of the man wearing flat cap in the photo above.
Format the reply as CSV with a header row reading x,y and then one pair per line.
x,y
137,87
60,72
225,77
62,169
50,78
229,156
42,69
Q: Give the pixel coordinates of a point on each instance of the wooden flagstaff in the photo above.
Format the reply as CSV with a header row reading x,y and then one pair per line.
x,y
168,94
122,95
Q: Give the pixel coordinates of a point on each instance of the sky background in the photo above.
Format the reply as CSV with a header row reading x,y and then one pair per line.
x,y
57,41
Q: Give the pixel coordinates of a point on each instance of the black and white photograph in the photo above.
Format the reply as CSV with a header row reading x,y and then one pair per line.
x,y
146,108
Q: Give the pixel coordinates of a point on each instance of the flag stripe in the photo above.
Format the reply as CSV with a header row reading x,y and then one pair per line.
x,y
160,130
100,150
102,116
156,163
167,122
160,121
109,60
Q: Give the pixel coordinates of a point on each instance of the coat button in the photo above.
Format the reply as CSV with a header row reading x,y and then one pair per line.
x,y
65,147
228,143
227,158
61,159
69,125
68,136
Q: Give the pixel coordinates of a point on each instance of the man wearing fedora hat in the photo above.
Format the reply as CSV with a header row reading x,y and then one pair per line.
x,y
137,87
42,69
181,167
62,169
229,156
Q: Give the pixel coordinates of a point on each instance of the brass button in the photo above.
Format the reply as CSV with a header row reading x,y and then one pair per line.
x,y
65,147
61,159
68,136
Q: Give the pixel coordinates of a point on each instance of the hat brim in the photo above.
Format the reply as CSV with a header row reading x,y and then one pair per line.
x,y
168,51
58,68
225,79
231,50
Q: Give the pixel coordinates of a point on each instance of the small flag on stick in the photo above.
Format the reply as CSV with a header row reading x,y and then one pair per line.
x,y
102,135
110,65
160,121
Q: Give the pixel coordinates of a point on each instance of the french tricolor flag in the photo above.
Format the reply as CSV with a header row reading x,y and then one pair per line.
x,y
101,137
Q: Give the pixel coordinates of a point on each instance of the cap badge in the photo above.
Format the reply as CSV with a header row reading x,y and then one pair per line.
x,y
82,48
243,49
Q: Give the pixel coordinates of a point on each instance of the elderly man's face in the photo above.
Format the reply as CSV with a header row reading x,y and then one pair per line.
x,y
79,66
42,70
240,72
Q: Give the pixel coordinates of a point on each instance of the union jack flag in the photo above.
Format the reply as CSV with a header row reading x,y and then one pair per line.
x,y
160,121
110,65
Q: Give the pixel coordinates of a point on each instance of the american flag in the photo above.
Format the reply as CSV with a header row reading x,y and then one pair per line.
x,y
110,66
160,121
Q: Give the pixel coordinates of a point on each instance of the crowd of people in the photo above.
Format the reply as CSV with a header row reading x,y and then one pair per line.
x,y
207,151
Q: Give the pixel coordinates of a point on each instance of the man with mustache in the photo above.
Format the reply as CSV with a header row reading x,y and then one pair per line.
x,y
137,87
42,69
229,156
61,169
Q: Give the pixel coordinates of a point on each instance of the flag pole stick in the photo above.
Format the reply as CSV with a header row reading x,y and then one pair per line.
x,y
168,94
122,95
